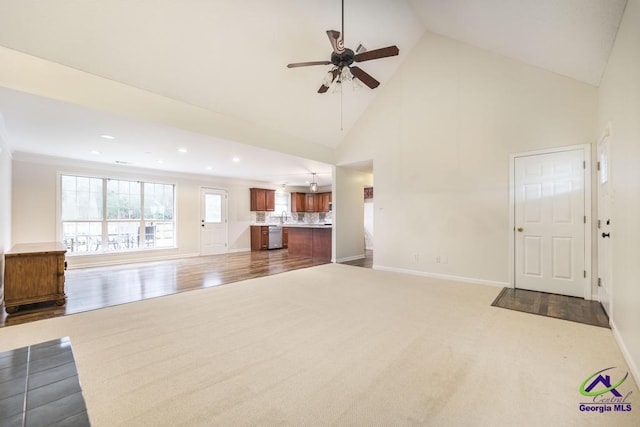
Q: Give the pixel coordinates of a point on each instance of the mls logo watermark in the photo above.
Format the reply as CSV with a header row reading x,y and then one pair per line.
x,y
604,393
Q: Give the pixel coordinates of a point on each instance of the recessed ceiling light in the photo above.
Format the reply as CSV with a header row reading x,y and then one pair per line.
x,y
161,161
236,159
95,152
182,150
107,136
209,168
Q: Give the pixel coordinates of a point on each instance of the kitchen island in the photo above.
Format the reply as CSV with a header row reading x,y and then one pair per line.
x,y
310,240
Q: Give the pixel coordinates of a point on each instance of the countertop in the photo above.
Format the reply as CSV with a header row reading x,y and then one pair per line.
x,y
309,225
297,225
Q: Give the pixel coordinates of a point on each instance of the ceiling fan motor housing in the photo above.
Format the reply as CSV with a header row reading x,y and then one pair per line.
x,y
343,59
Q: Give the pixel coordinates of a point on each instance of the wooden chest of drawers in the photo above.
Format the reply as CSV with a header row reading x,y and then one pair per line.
x,y
34,272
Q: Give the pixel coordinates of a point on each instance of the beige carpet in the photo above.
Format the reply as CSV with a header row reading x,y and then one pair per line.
x,y
332,345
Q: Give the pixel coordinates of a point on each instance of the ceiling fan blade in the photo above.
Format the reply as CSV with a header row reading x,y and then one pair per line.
x,y
377,53
336,41
325,87
364,77
306,64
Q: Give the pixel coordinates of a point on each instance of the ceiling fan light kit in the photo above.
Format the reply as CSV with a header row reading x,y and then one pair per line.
x,y
342,59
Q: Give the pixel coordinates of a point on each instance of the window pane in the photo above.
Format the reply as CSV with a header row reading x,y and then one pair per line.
x,y
81,198
163,237
213,208
123,235
158,201
82,236
123,199
282,203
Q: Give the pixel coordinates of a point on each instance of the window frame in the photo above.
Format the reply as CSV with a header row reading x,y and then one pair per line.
x,y
105,221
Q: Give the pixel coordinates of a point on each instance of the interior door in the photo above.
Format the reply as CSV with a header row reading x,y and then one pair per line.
x,y
213,221
549,222
604,225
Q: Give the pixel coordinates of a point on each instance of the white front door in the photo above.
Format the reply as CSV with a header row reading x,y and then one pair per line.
x,y
213,221
549,220
604,225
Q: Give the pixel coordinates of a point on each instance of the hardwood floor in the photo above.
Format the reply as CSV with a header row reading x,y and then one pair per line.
x,y
93,288
551,305
366,262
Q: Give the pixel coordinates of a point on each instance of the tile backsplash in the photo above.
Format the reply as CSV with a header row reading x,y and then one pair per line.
x,y
292,218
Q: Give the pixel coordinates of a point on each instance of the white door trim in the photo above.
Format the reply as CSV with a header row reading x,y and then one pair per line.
x,y
587,209
606,136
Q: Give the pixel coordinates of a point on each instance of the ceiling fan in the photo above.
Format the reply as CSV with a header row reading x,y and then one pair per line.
x,y
342,59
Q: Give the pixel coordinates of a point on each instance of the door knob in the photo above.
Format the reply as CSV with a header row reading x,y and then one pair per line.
x,y
605,234
520,229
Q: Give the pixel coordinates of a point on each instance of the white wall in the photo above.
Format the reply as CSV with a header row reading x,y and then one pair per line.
x,y
440,134
348,208
619,104
368,224
5,203
35,197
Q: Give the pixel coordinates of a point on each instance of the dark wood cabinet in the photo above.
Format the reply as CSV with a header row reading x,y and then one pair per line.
x,y
298,202
310,202
285,237
310,242
324,199
259,237
262,200
34,272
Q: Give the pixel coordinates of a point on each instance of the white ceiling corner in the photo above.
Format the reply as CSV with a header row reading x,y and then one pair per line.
x,y
569,37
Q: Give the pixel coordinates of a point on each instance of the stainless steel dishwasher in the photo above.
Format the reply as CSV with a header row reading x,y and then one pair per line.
x,y
275,237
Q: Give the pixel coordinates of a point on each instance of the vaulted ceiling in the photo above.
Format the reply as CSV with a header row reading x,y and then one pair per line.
x,y
230,56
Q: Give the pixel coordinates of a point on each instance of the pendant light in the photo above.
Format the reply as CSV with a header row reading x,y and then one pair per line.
x,y
313,186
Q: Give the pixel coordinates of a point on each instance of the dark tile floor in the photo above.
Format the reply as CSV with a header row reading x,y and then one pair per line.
x,y
39,386
366,262
552,305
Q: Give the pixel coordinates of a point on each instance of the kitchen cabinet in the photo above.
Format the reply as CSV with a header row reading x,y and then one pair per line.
x,y
312,241
324,199
285,237
259,237
34,272
262,200
298,202
310,202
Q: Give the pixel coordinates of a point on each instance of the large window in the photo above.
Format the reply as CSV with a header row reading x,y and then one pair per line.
x,y
282,203
107,215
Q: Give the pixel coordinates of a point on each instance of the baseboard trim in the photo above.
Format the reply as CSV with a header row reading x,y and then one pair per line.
x,y
443,276
625,353
351,258
235,251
